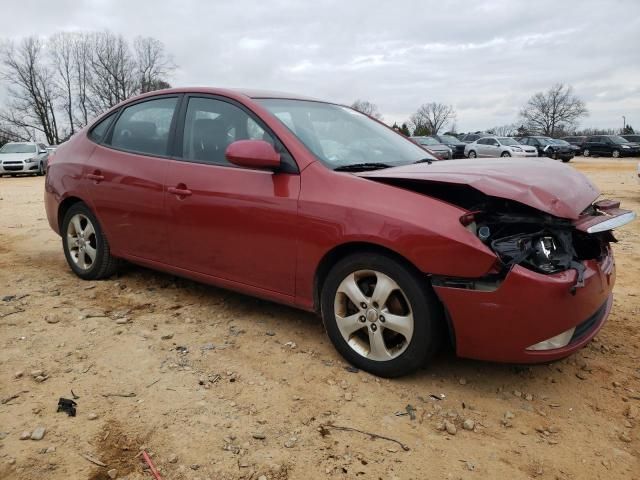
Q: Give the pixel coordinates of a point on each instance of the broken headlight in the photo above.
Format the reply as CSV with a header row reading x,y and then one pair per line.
x,y
539,251
545,251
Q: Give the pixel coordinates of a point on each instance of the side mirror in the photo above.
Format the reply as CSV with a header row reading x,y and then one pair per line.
x,y
253,154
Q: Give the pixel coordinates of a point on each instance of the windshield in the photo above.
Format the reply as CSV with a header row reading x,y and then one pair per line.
x,y
18,148
339,136
449,139
508,141
558,141
545,141
427,141
618,140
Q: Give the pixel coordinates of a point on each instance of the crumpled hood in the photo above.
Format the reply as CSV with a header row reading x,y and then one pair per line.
x,y
16,156
541,183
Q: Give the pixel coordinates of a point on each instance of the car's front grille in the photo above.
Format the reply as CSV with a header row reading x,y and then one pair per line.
x,y
585,327
13,166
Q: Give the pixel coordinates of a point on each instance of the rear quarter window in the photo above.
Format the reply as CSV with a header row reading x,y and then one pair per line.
x,y
98,132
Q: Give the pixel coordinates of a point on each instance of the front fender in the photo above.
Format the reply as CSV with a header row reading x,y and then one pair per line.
x,y
425,231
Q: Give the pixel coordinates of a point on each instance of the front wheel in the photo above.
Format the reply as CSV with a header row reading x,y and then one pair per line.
x,y
586,152
472,154
85,246
505,154
380,315
40,169
615,154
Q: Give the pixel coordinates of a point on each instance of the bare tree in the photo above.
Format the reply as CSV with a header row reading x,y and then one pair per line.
x,y
556,109
368,108
430,118
509,130
33,95
152,64
61,49
82,56
112,75
56,86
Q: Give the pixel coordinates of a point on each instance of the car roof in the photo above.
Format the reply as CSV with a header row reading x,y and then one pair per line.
x,y
232,92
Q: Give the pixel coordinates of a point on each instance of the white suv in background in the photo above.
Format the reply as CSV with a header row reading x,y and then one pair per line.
x,y
498,147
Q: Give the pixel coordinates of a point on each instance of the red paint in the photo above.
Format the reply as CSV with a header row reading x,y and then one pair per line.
x,y
251,228
253,154
541,183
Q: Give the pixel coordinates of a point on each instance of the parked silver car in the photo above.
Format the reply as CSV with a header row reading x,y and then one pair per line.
x,y
440,150
23,157
498,147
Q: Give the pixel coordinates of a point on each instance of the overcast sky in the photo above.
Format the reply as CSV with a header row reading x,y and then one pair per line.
x,y
483,57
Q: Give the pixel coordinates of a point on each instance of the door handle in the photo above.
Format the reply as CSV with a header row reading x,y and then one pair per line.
x,y
180,191
96,176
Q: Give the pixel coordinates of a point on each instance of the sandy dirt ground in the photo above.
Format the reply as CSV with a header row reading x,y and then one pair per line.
x,y
217,385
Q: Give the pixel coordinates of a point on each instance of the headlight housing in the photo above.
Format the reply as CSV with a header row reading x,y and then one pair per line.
x,y
516,149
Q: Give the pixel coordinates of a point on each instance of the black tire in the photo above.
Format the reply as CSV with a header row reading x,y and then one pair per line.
x,y
505,154
566,160
40,169
422,302
104,264
472,154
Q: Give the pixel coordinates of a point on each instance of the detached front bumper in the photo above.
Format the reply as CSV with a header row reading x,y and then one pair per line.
x,y
528,308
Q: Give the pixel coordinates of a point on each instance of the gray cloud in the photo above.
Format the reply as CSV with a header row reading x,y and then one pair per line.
x,y
485,58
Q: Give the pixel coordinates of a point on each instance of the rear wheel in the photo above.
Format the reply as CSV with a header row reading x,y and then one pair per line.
x,y
472,154
85,246
615,154
380,314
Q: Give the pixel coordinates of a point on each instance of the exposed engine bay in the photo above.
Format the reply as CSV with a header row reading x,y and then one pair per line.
x,y
518,234
543,243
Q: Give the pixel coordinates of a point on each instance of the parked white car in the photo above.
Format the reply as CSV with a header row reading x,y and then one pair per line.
x,y
23,157
498,147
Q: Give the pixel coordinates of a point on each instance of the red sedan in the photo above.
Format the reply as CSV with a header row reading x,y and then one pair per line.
x,y
315,205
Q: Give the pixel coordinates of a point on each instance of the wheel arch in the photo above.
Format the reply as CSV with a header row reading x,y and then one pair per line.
x,y
64,207
343,250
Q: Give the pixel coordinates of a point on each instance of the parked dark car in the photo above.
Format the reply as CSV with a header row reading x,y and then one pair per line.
x,y
576,149
456,146
547,147
578,141
632,138
472,137
434,147
317,206
610,145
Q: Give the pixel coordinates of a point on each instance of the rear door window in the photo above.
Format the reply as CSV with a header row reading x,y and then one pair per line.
x,y
144,127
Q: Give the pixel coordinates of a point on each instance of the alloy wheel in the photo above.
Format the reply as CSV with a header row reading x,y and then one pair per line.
x,y
81,241
472,154
373,315
585,152
615,154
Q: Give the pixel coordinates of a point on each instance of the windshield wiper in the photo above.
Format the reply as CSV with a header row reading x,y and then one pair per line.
x,y
361,167
425,160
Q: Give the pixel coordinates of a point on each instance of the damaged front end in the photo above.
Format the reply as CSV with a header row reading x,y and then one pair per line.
x,y
520,235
